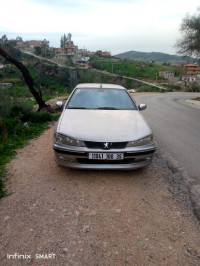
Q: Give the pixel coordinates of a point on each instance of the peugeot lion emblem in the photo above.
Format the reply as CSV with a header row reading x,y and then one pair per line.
x,y
106,145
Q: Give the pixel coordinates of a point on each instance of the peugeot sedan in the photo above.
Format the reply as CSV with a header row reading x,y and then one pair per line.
x,y
101,127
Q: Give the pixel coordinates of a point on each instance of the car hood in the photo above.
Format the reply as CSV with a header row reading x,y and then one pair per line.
x,y
103,125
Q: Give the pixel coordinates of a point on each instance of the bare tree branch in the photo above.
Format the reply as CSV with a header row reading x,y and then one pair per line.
x,y
189,44
29,81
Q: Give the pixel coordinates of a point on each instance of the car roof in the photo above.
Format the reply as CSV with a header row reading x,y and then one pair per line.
x,y
99,85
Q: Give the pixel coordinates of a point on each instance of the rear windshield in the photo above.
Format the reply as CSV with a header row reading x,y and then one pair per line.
x,y
110,99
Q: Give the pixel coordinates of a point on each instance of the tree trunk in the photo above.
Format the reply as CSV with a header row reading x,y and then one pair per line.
x,y
29,81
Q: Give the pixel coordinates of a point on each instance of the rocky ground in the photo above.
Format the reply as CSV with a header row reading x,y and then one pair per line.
x,y
80,217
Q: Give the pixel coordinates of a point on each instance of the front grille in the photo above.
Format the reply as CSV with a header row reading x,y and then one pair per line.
x,y
88,161
127,154
71,152
99,145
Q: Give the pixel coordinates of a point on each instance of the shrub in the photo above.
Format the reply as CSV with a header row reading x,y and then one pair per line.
x,y
147,88
96,65
195,87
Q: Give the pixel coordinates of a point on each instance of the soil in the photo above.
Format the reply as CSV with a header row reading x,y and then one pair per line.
x,y
196,99
83,217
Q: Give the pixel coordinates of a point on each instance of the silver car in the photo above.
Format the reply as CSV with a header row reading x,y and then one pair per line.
x,y
102,128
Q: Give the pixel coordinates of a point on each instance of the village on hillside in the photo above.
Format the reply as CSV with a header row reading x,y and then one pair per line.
x,y
67,52
70,54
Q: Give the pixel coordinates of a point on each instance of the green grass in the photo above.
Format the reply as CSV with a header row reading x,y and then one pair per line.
x,y
15,133
137,69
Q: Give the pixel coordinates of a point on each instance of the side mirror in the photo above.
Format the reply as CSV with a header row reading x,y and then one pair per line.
x,y
142,107
59,104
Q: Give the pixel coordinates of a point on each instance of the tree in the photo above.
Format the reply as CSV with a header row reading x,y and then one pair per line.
x,y
63,41
19,39
5,42
29,81
190,42
4,38
38,50
44,46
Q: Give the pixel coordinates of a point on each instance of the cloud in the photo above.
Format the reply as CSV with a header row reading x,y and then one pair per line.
x,y
115,24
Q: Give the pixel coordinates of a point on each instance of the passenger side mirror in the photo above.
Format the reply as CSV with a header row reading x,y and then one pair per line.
x,y
142,106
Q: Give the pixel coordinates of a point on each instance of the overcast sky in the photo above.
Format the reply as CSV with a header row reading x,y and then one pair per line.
x,y
113,25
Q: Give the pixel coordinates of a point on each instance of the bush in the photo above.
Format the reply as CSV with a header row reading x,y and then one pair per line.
x,y
21,110
147,88
25,113
195,87
96,65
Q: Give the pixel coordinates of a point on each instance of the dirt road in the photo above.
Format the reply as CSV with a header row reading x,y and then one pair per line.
x,y
92,217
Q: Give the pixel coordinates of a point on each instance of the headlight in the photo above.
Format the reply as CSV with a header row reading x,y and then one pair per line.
x,y
58,138
141,142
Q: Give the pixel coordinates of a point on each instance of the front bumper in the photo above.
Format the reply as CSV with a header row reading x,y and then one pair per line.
x,y
77,157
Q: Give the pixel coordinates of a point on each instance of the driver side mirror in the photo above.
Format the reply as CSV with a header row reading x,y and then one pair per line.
x,y
142,106
60,105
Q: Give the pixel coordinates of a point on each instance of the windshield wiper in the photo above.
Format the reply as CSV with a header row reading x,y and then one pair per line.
x,y
107,108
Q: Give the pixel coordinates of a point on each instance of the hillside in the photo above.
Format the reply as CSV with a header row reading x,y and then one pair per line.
x,y
155,56
138,69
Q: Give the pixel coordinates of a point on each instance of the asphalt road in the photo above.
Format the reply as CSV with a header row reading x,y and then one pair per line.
x,y
176,128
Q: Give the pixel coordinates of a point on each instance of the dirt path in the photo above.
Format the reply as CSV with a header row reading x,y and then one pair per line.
x,y
92,217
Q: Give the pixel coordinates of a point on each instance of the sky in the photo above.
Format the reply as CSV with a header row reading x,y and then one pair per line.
x,y
116,26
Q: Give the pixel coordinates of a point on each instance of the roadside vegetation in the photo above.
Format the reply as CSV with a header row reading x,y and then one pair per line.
x,y
48,78
19,122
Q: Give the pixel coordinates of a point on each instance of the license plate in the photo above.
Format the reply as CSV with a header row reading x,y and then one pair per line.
x,y
106,156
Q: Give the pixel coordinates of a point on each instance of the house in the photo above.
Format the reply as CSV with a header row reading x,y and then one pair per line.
x,y
70,49
82,51
103,54
191,72
66,53
191,69
32,44
167,74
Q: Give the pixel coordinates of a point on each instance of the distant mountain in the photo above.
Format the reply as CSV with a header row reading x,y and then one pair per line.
x,y
155,56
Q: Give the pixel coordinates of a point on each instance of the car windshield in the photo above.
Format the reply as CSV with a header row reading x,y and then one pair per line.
x,y
100,98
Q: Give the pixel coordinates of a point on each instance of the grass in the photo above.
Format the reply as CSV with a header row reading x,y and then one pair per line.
x,y
15,131
137,69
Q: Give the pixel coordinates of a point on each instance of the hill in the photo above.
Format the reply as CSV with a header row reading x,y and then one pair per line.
x,y
132,68
155,56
